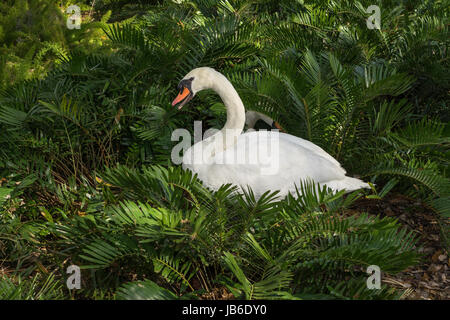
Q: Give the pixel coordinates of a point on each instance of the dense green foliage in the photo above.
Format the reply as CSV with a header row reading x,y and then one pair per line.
x,y
76,105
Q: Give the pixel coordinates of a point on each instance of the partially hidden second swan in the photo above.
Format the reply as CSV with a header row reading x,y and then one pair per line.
x,y
261,160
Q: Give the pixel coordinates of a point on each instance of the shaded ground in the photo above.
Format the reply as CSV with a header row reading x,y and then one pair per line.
x,y
430,279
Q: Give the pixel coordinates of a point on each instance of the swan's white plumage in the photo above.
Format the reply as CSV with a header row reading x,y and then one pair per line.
x,y
296,159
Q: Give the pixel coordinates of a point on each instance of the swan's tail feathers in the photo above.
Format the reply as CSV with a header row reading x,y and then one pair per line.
x,y
348,184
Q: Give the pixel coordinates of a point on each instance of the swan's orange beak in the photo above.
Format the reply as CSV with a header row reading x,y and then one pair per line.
x,y
181,96
277,125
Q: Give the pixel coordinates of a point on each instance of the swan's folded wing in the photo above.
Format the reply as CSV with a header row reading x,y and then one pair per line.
x,y
267,161
288,158
310,146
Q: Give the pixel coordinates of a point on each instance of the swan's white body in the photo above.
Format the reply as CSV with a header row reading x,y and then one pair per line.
x,y
282,160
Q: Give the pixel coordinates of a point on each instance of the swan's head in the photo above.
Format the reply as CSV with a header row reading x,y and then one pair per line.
x,y
195,81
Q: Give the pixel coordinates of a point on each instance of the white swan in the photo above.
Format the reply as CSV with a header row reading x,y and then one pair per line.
x,y
252,117
263,160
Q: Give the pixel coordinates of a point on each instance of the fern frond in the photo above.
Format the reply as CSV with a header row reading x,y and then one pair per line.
x,y
143,290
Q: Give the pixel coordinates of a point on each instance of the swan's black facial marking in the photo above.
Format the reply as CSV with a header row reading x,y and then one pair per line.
x,y
183,96
186,83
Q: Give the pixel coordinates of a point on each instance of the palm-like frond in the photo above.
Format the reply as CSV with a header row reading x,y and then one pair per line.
x,y
272,286
143,290
35,288
429,178
422,133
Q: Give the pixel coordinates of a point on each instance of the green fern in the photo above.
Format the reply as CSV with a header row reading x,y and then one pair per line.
x,y
143,290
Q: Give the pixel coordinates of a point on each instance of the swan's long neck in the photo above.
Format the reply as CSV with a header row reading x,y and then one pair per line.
x,y
235,109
